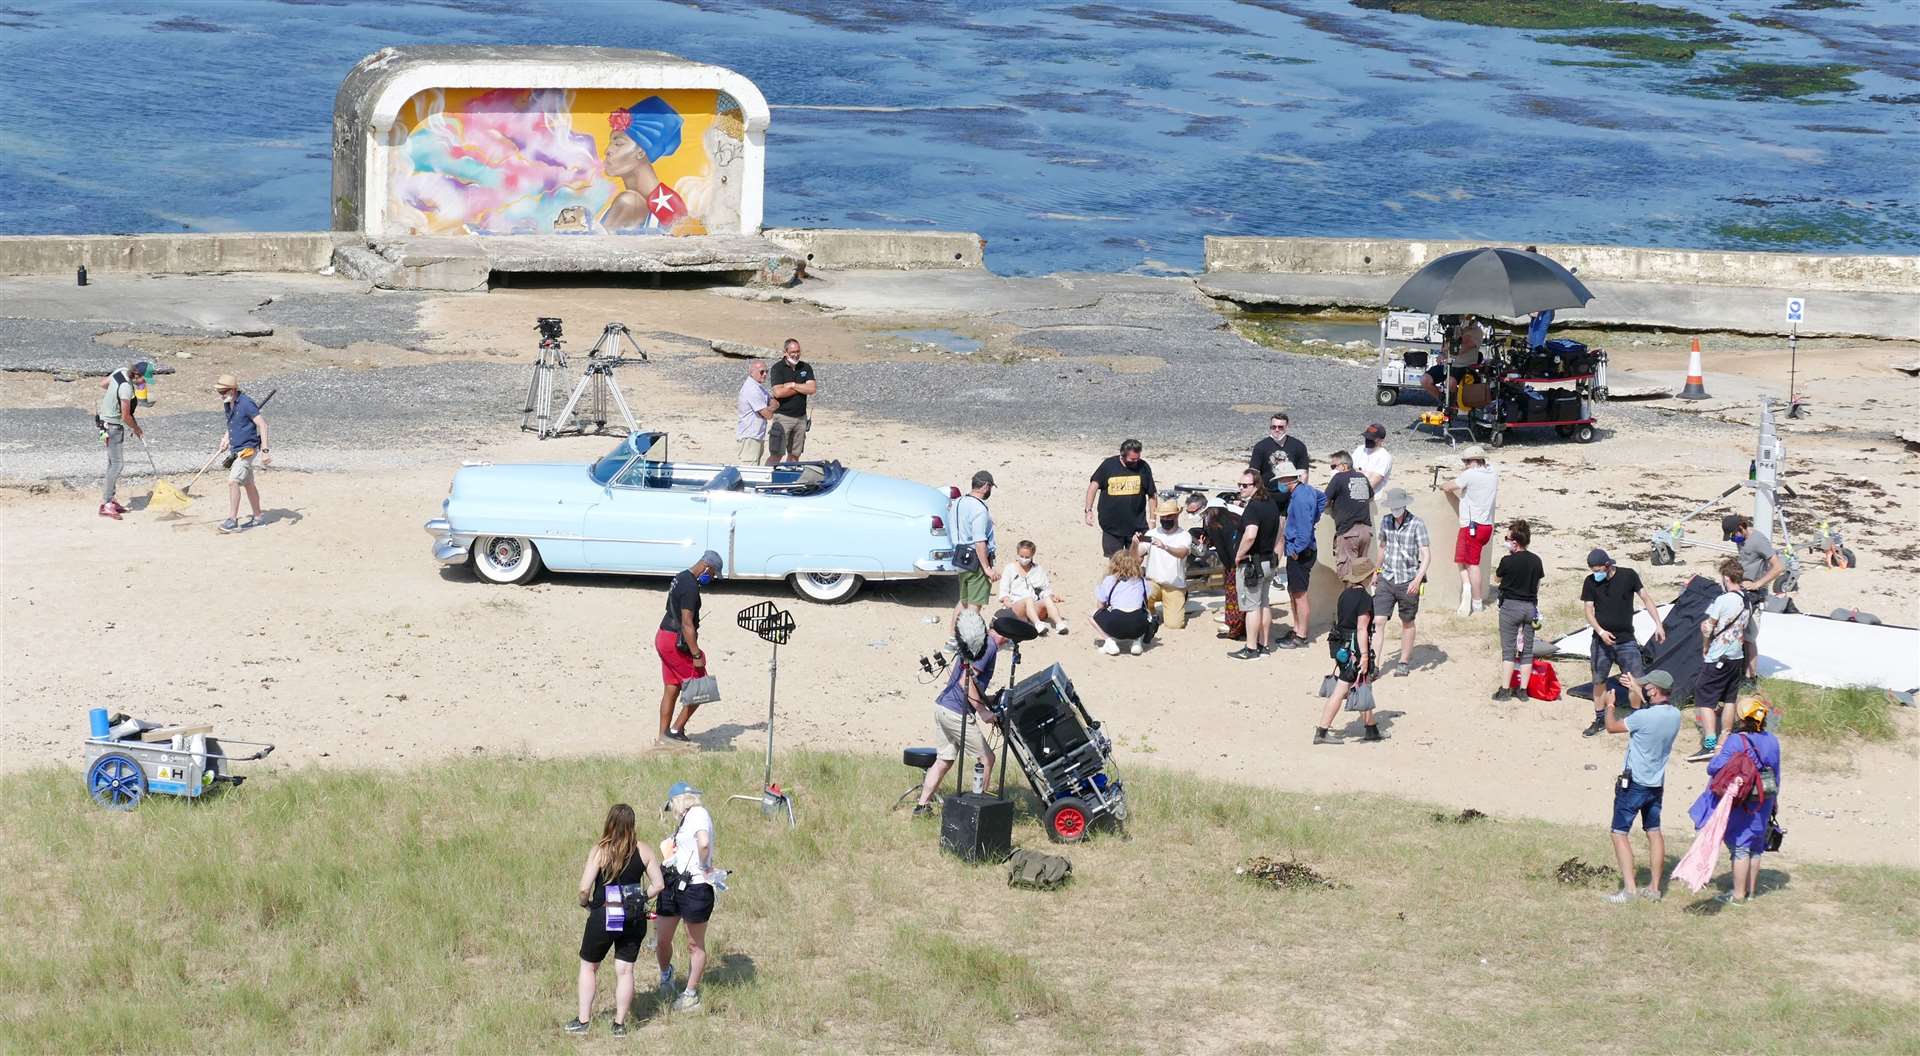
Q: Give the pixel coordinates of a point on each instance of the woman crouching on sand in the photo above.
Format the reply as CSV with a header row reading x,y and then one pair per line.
x,y
616,905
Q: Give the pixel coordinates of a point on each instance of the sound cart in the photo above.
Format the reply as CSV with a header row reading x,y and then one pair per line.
x,y
1552,387
1065,756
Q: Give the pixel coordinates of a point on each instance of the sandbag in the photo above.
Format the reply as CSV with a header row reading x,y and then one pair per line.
x,y
1041,872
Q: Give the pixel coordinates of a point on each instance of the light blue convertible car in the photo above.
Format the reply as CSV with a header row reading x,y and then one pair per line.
x,y
823,528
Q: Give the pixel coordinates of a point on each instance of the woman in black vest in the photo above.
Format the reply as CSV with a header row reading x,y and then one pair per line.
x,y
618,863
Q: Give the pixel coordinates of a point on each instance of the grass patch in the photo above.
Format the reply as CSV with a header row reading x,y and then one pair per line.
x,y
1777,80
432,910
1829,715
1646,47
1546,14
1279,332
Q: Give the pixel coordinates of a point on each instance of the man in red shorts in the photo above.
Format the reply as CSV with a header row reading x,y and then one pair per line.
x,y
1473,491
678,643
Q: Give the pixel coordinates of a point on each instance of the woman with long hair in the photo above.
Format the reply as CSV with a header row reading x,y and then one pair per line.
x,y
1751,821
616,908
1122,600
688,852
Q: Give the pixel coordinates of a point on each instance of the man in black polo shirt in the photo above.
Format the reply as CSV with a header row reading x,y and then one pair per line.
x,y
1608,595
792,381
1122,484
1272,449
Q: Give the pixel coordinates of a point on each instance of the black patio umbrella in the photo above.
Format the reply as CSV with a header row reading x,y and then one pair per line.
x,y
1502,282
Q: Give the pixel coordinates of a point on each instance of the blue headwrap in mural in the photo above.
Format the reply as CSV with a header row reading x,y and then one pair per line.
x,y
655,126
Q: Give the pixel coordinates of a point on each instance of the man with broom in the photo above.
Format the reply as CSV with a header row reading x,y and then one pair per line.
x,y
246,439
123,390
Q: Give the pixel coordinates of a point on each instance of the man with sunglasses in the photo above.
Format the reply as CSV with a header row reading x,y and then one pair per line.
x,y
1253,563
1276,447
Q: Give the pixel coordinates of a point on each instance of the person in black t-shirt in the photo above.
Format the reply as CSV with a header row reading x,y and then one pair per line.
x,y
1121,484
1518,575
1272,449
678,643
1350,644
1608,594
1350,502
791,382
1252,562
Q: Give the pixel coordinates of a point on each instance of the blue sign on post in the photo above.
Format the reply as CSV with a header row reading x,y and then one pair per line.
x,y
1796,310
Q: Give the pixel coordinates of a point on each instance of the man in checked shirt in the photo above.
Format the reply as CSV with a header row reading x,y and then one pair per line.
x,y
1405,550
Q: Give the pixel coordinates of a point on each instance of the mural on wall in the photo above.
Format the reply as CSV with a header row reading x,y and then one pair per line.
x,y
516,161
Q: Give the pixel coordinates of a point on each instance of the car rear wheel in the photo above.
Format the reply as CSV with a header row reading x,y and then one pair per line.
x,y
826,588
505,559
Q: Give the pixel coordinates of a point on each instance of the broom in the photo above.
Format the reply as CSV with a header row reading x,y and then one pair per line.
x,y
169,499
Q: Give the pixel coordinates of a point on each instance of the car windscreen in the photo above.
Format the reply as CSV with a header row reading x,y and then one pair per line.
x,y
609,464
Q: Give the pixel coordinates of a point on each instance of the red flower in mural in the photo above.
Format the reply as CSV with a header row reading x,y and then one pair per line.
x,y
619,120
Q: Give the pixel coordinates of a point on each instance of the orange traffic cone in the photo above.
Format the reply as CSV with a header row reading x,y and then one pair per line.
x,y
1696,385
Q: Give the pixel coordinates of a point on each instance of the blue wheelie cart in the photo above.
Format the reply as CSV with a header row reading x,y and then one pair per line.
x,y
124,768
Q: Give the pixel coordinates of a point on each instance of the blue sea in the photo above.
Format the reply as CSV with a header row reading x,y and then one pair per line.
x,y
1074,136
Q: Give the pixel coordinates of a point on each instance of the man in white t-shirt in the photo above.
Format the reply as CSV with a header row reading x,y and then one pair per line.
x,y
1474,490
755,408
1028,594
1722,660
1164,555
1373,458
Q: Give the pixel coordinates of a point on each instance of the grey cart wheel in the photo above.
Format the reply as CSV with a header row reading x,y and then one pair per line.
x,y
1583,434
1662,554
1387,395
825,588
505,559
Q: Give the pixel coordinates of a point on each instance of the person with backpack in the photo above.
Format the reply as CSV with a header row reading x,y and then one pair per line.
x,y
973,544
122,391
1750,755
691,881
1722,660
1350,644
616,905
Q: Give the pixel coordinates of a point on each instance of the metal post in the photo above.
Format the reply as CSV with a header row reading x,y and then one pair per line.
x,y
773,677
1793,371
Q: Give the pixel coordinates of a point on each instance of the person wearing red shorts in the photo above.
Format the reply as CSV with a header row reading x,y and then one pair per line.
x,y
678,643
1474,491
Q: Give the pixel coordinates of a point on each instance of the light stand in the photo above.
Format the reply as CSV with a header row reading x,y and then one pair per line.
x,y
774,626
1015,630
1794,407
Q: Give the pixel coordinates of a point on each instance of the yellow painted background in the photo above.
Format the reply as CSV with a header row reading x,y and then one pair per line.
x,y
589,110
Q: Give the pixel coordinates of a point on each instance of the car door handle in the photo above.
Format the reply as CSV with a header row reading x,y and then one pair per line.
x,y
699,498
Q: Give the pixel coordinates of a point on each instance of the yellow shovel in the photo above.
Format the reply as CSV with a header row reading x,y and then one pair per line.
x,y
165,497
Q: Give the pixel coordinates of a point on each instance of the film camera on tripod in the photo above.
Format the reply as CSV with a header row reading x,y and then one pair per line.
x,y
597,384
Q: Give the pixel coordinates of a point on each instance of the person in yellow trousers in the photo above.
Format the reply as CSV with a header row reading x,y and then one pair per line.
x,y
1163,552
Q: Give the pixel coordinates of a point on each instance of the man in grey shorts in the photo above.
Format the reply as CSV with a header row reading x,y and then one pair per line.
x,y
1405,550
793,383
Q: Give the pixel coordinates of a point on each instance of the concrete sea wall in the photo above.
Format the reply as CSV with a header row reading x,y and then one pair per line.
x,y
166,254
1691,267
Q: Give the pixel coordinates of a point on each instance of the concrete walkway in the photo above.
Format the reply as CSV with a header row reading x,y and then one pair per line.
x,y
1733,309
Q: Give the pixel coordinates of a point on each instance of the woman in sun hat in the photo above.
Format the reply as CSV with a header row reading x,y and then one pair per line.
x,y
1752,819
690,877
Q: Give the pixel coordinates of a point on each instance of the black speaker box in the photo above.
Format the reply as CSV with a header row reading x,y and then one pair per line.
x,y
976,827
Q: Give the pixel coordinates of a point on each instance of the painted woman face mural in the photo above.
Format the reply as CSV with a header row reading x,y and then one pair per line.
x,y
639,136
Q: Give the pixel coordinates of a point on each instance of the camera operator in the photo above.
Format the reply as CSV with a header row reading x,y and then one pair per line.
x,y
1253,561
678,643
688,896
618,860
966,689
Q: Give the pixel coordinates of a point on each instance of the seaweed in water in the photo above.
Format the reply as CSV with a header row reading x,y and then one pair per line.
x,y
1465,817
1285,876
1576,873
1778,80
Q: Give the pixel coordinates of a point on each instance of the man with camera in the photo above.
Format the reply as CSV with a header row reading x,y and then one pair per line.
x,y
1639,789
793,382
973,545
1163,553
964,696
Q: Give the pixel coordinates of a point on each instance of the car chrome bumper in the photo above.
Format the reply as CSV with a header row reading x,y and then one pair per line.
x,y
448,549
932,567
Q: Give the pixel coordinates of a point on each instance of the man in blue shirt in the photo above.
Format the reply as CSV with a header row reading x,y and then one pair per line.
x,y
247,440
1304,504
965,692
1650,730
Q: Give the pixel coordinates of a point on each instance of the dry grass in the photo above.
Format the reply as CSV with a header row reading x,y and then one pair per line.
x,y
433,911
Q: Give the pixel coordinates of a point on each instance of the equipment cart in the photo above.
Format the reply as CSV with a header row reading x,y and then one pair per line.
x,y
1552,387
123,770
1408,343
1063,753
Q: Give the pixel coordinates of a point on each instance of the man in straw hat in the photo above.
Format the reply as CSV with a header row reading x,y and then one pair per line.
x,y
1163,553
1350,647
1474,491
246,438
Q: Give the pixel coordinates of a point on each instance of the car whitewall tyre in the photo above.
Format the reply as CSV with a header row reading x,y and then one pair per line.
x,y
826,588
505,559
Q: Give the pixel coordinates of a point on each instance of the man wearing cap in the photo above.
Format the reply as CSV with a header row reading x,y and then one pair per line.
x,y
1163,553
678,643
963,698
1373,458
1608,594
1350,501
973,544
1474,491
122,391
1650,730
1405,551
1122,484
1304,504
1761,565
246,437
1350,645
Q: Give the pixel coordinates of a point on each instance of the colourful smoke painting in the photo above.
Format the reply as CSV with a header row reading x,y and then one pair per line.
x,y
543,161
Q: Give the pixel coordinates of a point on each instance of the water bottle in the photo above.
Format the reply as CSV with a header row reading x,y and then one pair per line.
x,y
979,777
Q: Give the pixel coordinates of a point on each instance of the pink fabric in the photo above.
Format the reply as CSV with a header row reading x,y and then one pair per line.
x,y
1696,866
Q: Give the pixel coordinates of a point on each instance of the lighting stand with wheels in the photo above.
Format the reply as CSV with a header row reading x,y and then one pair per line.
x,y
774,626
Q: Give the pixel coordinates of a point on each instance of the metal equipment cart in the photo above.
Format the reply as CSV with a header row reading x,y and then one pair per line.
x,y
1063,753
122,772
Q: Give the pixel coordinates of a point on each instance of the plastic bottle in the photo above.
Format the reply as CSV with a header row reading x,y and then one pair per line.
x,y
979,777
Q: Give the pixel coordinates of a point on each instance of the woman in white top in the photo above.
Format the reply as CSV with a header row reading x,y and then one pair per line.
x,y
1027,593
1122,598
688,855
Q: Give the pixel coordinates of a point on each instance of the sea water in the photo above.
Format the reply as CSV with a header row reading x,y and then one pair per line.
x,y
1098,136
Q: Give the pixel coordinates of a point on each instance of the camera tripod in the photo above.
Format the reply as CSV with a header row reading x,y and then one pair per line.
x,y
597,383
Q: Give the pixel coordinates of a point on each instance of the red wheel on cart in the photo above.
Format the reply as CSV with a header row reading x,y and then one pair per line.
x,y
1066,820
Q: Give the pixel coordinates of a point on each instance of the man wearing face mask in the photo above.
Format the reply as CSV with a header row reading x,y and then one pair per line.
x,y
1760,565
1163,552
678,643
1122,484
1373,458
1608,595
